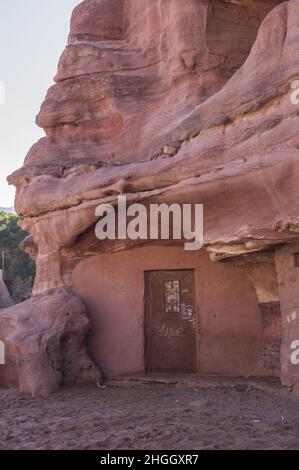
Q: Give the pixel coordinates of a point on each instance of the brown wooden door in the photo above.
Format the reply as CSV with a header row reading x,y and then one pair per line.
x,y
170,322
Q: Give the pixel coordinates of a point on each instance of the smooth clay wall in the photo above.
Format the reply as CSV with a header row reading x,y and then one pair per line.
x,y
229,324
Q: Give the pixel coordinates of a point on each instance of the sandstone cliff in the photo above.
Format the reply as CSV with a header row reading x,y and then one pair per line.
x,y
183,100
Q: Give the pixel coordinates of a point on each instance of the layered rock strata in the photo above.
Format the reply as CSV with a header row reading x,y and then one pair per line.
x,y
175,101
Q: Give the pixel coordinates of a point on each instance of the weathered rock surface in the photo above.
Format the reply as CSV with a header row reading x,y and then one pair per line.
x,y
176,101
5,298
45,338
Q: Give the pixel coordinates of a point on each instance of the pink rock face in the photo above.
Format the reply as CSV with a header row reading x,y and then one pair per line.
x,y
45,337
129,62
184,101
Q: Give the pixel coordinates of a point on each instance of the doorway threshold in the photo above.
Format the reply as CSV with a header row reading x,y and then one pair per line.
x,y
197,381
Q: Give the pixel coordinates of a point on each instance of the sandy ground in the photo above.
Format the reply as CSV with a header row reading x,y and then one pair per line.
x,y
152,417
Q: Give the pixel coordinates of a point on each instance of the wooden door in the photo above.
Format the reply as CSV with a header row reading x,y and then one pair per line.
x,y
170,322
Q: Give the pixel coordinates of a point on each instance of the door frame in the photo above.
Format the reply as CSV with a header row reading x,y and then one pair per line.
x,y
146,313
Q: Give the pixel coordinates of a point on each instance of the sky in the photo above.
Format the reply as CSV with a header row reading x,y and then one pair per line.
x,y
33,34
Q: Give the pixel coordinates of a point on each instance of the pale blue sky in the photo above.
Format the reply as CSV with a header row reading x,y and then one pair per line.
x,y
33,34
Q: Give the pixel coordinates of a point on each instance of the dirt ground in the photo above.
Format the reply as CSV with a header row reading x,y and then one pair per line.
x,y
152,417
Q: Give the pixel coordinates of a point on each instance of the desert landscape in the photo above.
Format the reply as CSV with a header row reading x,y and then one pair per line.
x,y
225,417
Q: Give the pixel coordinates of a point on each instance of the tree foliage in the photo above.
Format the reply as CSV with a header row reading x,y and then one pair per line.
x,y
19,268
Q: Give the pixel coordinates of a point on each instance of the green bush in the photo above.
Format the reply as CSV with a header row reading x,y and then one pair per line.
x,y
19,267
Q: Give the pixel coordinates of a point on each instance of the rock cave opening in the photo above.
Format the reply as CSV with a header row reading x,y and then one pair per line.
x,y
159,101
